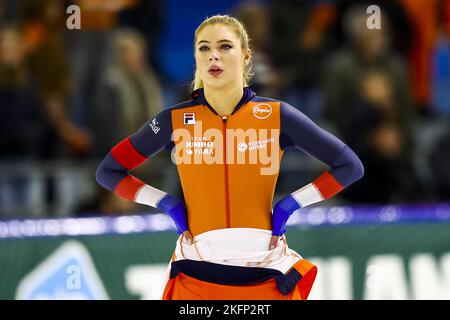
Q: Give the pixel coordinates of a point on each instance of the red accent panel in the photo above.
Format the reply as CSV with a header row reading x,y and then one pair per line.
x,y
128,187
327,185
127,155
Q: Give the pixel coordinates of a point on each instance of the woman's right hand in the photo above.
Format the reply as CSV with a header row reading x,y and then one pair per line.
x,y
188,236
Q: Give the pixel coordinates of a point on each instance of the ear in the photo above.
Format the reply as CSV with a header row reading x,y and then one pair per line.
x,y
247,56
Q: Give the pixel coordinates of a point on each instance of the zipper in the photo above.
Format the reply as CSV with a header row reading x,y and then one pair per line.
x,y
225,165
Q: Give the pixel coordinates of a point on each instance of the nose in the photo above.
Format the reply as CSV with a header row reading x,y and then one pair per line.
x,y
214,56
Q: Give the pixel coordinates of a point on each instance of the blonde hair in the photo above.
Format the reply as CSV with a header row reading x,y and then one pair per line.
x,y
242,34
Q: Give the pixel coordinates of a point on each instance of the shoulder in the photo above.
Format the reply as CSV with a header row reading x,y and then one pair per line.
x,y
264,99
287,111
181,105
281,103
161,124
165,116
274,102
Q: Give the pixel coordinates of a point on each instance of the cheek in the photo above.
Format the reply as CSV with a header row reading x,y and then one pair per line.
x,y
236,62
201,62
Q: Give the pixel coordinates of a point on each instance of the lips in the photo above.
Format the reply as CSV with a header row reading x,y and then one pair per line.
x,y
215,70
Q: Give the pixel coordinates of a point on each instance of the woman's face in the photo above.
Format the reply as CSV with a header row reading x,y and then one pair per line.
x,y
219,57
11,52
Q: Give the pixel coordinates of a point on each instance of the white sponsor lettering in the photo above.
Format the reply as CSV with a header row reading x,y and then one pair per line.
x,y
154,126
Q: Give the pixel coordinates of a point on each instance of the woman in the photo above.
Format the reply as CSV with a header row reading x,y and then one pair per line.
x,y
227,144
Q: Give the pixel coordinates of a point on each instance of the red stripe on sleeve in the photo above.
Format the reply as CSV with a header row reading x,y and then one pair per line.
x,y
327,185
127,155
128,187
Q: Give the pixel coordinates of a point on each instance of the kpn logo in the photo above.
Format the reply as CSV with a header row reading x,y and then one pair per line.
x,y
67,274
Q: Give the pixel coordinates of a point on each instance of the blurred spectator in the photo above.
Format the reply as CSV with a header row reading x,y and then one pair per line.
x,y
128,94
42,24
368,102
325,23
88,50
415,29
424,17
256,19
440,72
22,124
439,159
147,17
299,60
321,32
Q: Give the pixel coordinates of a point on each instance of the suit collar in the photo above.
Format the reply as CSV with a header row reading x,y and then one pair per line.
x,y
199,97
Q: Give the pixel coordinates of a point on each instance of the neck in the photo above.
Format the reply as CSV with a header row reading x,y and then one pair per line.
x,y
223,100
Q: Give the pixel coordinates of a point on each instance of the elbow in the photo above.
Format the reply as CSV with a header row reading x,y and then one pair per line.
x,y
104,172
354,168
357,170
109,173
100,174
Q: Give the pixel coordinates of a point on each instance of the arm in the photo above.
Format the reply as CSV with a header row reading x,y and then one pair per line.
x,y
113,171
297,130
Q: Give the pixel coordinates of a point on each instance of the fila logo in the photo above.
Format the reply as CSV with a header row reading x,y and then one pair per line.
x,y
262,111
189,118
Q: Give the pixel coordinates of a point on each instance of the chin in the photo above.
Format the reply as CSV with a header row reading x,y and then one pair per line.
x,y
216,83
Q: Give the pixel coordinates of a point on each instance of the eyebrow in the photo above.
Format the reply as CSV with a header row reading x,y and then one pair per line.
x,y
223,40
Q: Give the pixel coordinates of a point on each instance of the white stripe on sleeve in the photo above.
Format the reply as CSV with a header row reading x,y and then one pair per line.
x,y
307,195
149,195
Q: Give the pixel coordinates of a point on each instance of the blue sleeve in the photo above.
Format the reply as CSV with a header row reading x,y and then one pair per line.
x,y
154,135
151,138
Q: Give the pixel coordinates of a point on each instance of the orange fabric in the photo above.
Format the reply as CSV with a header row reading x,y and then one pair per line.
x,y
309,273
226,203
187,288
183,287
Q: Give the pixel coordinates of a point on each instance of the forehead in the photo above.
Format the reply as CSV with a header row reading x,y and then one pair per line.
x,y
217,32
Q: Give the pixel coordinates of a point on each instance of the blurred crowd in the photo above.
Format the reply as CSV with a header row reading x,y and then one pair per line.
x,y
68,96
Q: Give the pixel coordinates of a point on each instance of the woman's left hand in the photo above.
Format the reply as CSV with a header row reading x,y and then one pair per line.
x,y
188,236
273,242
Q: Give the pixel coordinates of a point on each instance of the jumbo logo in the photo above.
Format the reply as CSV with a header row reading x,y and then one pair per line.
x,y
262,111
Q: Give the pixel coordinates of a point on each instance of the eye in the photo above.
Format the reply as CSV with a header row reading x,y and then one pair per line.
x,y
203,48
226,46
